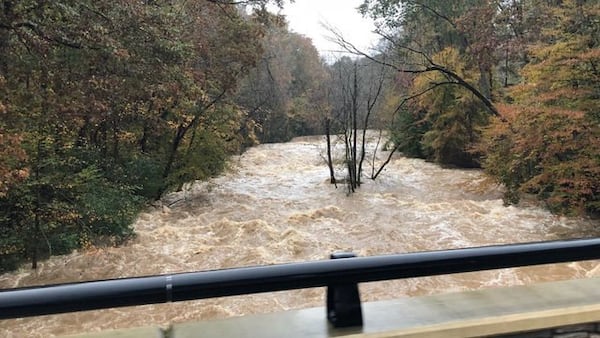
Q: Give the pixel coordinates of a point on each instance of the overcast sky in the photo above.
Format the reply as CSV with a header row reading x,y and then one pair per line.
x,y
305,17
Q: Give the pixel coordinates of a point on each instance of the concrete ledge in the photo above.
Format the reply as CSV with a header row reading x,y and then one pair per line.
x,y
486,312
465,314
140,332
494,326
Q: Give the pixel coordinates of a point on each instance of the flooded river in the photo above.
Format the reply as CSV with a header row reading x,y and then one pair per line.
x,y
275,205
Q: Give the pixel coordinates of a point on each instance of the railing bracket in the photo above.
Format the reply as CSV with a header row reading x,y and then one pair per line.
x,y
343,301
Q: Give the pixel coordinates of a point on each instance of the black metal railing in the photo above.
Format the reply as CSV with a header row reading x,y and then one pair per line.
x,y
340,275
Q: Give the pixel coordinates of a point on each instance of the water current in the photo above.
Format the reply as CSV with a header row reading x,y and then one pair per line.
x,y
275,205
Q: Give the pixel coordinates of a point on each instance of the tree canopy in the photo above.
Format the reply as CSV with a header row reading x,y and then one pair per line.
x,y
512,86
106,105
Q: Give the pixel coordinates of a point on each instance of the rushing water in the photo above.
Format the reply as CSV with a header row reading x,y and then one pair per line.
x,y
275,205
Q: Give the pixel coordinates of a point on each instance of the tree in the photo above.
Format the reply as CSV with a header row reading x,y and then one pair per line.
x,y
455,115
106,105
283,91
418,38
415,38
548,143
12,155
357,89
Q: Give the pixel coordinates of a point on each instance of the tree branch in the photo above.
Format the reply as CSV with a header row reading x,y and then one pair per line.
x,y
410,49
436,13
432,67
245,2
460,81
40,33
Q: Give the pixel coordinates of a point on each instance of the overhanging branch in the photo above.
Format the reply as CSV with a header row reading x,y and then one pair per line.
x,y
431,67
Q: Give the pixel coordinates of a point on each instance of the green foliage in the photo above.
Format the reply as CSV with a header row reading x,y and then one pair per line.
x,y
105,208
409,135
205,158
65,204
454,114
144,173
106,105
541,57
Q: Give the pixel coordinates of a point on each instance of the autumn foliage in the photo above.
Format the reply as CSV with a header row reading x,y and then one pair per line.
x,y
108,105
547,142
513,86
454,113
12,158
550,153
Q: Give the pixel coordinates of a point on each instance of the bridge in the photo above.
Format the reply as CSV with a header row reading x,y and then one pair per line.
x,y
558,309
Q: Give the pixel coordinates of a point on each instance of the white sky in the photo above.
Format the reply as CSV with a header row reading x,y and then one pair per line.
x,y
305,17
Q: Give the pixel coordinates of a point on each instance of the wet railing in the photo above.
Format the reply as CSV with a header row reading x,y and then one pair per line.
x,y
341,275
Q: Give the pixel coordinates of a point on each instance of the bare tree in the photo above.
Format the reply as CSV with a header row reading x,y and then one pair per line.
x,y
358,86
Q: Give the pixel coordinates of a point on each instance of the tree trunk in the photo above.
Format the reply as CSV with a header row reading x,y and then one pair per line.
x,y
363,152
115,137
34,237
5,35
355,177
144,139
485,82
181,131
81,140
329,160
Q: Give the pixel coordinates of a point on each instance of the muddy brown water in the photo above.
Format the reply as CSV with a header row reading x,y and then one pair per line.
x,y
275,205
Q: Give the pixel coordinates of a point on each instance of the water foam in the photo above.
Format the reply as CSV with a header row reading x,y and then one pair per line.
x,y
274,205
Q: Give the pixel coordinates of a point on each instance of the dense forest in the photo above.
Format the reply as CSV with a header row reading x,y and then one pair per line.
x,y
108,105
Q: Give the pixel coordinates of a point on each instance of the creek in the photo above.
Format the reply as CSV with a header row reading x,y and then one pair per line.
x,y
274,205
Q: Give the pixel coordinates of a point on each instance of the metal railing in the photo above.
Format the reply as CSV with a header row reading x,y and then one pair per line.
x,y
339,275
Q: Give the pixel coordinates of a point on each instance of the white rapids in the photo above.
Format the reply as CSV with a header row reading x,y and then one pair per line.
x,y
275,205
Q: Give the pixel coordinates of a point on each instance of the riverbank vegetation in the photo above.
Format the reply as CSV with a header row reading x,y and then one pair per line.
x,y
511,86
105,106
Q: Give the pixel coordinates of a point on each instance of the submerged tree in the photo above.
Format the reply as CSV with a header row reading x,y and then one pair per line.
x,y
357,87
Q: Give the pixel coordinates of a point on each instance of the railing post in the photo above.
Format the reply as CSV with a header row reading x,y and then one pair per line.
x,y
343,300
